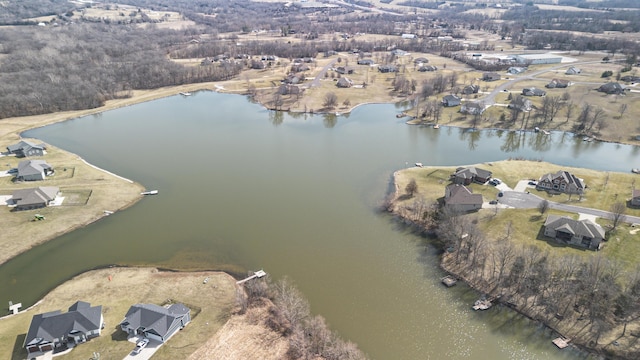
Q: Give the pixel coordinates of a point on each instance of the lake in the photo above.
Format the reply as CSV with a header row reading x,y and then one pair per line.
x,y
243,188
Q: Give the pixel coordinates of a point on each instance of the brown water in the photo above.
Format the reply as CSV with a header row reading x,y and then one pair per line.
x,y
242,189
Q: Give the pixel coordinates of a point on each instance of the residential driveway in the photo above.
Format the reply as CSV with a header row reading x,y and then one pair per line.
x,y
5,199
5,173
520,200
146,353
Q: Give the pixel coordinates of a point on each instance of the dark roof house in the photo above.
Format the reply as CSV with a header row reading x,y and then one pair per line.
x,y
155,322
57,330
520,103
426,68
561,181
467,175
635,197
387,68
470,89
344,82
365,62
584,233
533,92
27,199
33,170
450,100
26,148
557,84
490,76
611,88
573,71
459,198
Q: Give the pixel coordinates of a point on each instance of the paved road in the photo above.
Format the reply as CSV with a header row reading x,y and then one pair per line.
x,y
525,200
316,80
490,98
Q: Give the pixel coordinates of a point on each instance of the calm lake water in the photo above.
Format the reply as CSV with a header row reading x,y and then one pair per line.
x,y
242,188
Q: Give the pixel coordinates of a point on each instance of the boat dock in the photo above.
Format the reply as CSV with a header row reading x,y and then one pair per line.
x,y
151,192
561,342
257,274
449,281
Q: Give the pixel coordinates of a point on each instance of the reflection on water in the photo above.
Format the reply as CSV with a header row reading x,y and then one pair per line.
x,y
244,188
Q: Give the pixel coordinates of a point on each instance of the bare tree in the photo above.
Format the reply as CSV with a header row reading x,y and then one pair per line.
x,y
330,100
618,210
411,188
543,206
622,109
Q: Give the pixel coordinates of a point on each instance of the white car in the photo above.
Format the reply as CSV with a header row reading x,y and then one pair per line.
x,y
140,345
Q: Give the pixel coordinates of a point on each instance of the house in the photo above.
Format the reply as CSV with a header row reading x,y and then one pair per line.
x,y
398,52
472,108
561,181
451,100
460,198
516,70
56,330
635,197
285,89
344,82
420,60
295,68
470,89
33,170
467,175
27,199
630,78
387,68
584,233
26,148
557,84
490,76
533,92
520,103
428,68
365,62
292,79
344,70
573,71
611,88
155,322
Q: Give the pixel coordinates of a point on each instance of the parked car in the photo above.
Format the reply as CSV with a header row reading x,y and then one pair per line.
x,y
500,194
493,202
534,183
495,182
140,345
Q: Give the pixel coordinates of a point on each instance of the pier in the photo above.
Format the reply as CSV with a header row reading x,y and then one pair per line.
x,y
257,274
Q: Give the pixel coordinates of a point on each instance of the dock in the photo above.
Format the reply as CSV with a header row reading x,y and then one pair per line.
x,y
561,342
14,308
257,274
151,192
449,281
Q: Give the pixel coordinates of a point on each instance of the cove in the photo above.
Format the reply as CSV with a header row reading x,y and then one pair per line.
x,y
243,188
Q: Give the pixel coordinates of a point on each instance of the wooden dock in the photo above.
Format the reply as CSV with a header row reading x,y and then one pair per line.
x,y
257,274
561,342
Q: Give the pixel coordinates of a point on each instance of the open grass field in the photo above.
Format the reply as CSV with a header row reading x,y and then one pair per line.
x,y
604,189
116,289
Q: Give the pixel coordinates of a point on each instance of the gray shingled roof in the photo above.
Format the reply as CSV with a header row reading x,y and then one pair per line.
x,y
24,145
34,196
55,324
461,195
32,167
584,227
568,177
154,318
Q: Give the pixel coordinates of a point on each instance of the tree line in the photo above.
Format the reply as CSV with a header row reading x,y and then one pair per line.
x,y
597,293
290,315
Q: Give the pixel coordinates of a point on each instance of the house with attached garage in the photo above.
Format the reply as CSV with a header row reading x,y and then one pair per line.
x,y
451,100
33,170
460,198
467,175
584,233
562,182
57,331
26,148
33,198
155,322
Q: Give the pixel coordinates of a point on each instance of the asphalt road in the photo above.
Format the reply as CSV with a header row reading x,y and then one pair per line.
x,y
524,200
